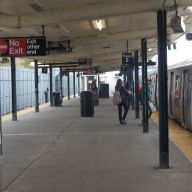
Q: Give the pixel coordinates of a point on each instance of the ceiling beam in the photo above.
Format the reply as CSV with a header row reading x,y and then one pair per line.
x,y
91,53
84,12
128,35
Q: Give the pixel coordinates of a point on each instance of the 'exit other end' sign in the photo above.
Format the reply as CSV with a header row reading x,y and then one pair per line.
x,y
22,46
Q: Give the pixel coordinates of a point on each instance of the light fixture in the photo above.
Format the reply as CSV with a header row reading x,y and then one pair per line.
x,y
150,49
99,24
188,36
174,46
189,8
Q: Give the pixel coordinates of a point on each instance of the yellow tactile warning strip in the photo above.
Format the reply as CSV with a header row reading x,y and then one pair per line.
x,y
180,137
22,112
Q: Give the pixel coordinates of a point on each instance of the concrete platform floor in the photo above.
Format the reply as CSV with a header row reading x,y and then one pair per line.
x,y
56,150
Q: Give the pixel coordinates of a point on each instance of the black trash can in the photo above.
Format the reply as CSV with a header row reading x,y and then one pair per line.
x,y
104,91
87,104
46,96
95,97
56,99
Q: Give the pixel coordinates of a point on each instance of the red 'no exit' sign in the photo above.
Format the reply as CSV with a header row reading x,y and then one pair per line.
x,y
23,46
3,46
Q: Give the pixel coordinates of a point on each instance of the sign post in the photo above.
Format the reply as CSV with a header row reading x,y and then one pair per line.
x,y
13,86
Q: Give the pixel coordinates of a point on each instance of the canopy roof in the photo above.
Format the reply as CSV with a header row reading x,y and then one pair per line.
x,y
126,20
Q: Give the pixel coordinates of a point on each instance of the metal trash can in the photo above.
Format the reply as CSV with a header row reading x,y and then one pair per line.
x,y
104,91
56,99
46,96
87,104
95,98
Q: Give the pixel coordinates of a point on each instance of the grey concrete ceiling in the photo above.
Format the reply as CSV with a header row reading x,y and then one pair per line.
x,y
129,20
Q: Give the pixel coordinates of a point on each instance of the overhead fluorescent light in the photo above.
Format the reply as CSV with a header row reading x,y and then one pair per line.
x,y
189,8
99,24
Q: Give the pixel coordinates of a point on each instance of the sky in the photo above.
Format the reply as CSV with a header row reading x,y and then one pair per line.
x,y
182,52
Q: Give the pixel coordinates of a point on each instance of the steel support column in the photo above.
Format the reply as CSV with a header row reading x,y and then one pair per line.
x,y
125,76
68,85
136,85
144,85
1,132
36,87
51,85
74,84
78,83
61,84
13,87
132,88
163,101
98,82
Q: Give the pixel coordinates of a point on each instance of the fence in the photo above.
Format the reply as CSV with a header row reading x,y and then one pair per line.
x,y
25,88
65,86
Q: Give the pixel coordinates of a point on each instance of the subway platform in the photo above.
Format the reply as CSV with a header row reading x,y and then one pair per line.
x,y
57,150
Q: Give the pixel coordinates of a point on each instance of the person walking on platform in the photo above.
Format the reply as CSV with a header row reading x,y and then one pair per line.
x,y
124,104
94,86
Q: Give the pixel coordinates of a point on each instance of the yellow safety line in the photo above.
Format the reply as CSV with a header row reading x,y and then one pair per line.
x,y
180,137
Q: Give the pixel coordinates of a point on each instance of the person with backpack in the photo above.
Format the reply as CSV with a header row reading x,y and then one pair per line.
x,y
124,104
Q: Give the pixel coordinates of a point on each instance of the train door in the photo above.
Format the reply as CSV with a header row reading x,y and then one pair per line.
x,y
189,102
185,102
171,93
176,110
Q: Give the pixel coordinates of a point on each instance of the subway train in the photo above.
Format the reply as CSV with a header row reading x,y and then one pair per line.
x,y
179,94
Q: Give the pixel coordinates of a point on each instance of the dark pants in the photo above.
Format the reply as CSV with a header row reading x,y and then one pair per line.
x,y
126,108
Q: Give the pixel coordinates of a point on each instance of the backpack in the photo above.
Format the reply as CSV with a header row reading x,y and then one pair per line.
x,y
117,98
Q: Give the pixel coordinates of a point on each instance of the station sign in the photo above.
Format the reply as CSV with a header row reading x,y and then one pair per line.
x,y
85,61
88,71
22,46
44,70
127,58
59,47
